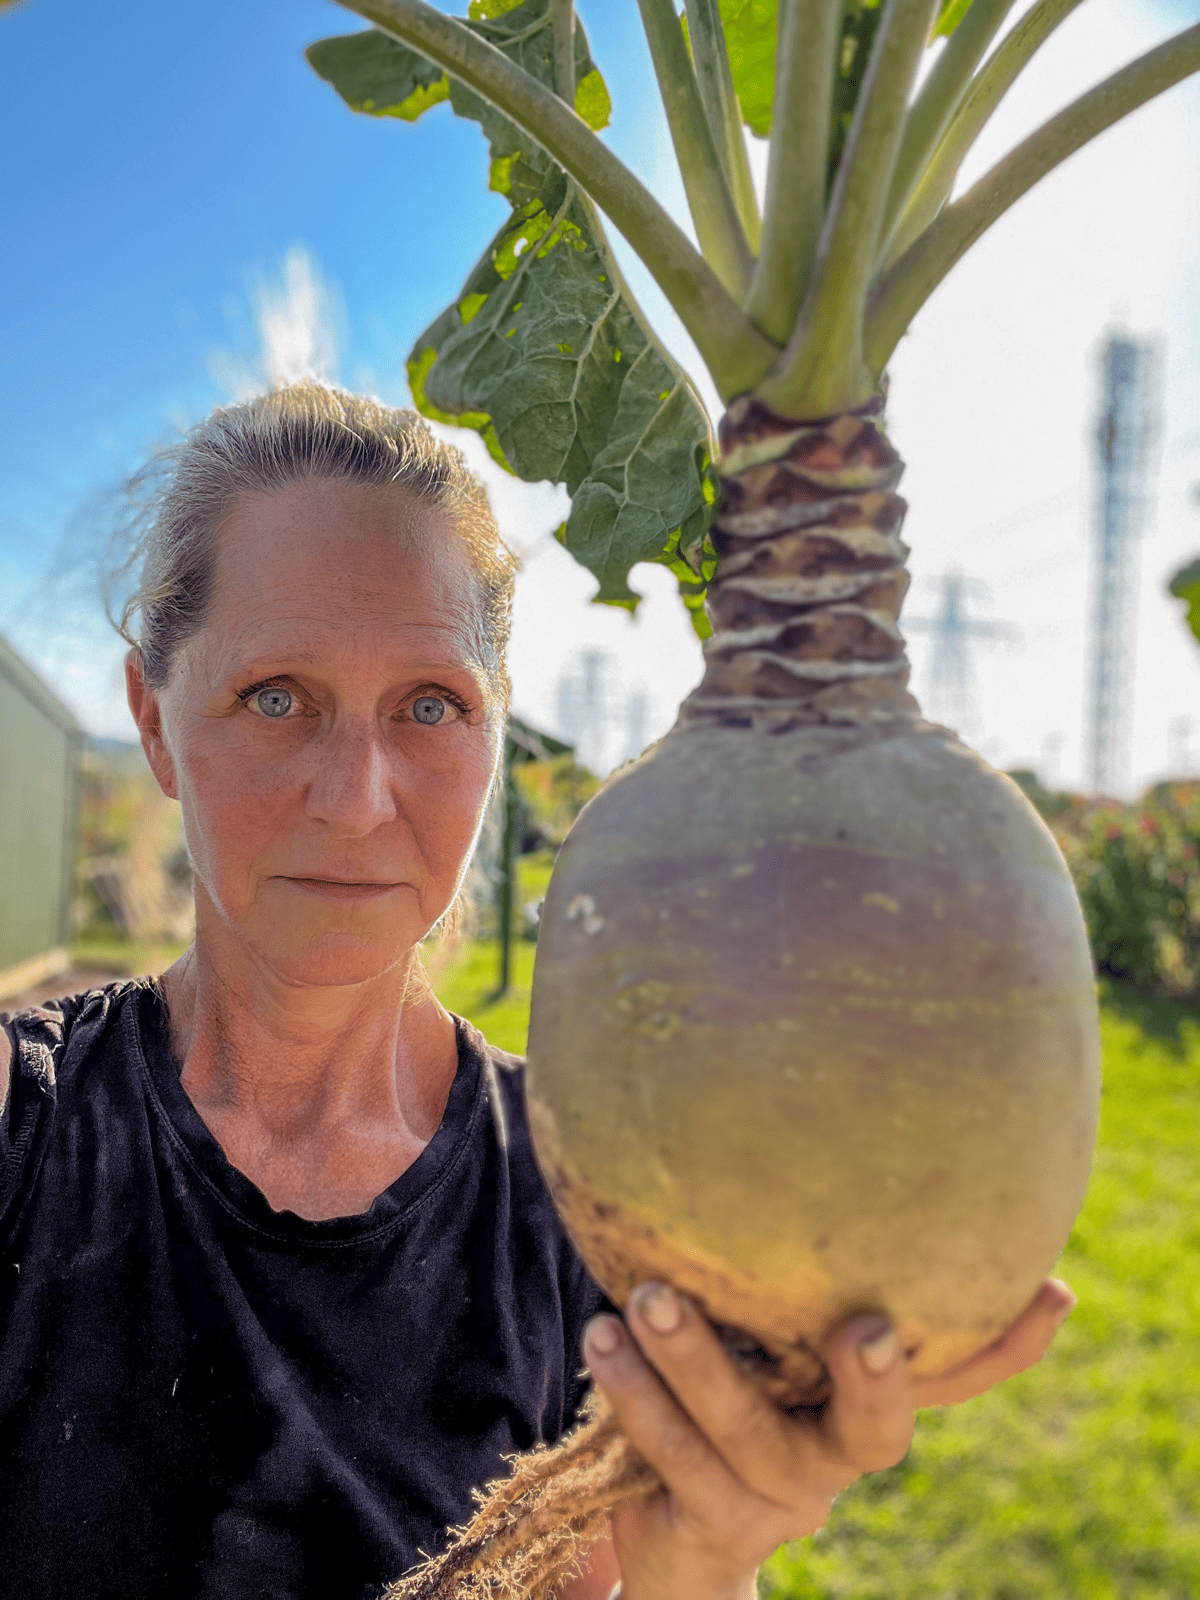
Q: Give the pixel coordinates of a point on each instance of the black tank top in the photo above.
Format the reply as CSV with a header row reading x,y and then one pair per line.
x,y
203,1397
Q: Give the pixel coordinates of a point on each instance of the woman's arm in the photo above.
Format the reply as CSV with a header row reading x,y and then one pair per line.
x,y
741,1477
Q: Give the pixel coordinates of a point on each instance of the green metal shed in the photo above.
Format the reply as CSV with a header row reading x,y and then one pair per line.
x,y
39,748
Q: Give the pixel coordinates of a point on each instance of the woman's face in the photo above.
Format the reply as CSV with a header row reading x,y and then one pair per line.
x,y
328,732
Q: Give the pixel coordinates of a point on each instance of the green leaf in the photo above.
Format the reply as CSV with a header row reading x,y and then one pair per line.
x,y
543,352
377,74
491,8
373,73
544,355
948,18
750,40
592,101
1186,585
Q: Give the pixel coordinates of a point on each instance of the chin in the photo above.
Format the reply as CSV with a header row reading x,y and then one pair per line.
x,y
335,960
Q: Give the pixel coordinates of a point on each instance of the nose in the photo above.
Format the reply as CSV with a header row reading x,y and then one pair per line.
x,y
351,789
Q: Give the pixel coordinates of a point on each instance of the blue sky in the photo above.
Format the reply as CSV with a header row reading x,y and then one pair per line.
x,y
165,163
164,152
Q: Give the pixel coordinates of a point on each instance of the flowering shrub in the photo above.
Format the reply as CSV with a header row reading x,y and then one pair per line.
x,y
1137,870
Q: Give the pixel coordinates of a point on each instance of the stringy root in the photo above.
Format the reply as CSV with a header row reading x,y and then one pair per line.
x,y
533,1529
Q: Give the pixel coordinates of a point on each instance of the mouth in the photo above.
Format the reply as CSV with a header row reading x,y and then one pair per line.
x,y
343,888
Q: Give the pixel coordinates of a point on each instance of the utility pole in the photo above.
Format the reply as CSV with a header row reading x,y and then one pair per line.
x,y
522,743
949,692
1124,436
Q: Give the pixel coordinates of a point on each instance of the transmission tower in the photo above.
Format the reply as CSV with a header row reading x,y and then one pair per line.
x,y
949,691
583,706
1124,438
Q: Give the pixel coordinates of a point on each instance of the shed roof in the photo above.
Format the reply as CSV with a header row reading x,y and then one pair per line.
x,y
530,744
26,681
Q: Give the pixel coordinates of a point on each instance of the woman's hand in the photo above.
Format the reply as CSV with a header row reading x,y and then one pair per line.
x,y
741,1477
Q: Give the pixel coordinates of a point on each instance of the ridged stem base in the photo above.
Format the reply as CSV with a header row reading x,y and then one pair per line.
x,y
811,576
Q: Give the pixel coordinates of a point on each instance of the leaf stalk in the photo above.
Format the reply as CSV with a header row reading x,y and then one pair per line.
x,y
822,371
930,113
719,229
989,87
562,35
805,63
906,287
714,79
735,352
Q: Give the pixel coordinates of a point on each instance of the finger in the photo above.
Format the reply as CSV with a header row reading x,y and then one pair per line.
x,y
657,1426
1019,1347
868,1422
761,1445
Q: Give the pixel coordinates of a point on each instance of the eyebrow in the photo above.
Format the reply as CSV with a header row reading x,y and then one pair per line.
x,y
277,666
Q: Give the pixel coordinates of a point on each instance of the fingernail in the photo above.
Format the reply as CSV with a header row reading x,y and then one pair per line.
x,y
1064,1310
878,1351
601,1336
658,1304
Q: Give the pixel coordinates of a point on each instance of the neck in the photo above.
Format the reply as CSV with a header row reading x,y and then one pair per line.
x,y
322,1095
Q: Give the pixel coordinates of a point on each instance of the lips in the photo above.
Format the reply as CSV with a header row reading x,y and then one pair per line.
x,y
342,888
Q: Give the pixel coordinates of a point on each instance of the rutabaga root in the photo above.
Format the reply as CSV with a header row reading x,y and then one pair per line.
x,y
533,1529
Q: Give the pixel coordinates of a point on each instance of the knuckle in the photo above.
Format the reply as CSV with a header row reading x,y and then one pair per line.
x,y
683,1452
752,1428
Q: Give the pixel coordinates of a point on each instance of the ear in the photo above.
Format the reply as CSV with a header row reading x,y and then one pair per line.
x,y
147,713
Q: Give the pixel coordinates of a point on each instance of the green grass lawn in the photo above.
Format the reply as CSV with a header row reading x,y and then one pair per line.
x,y
112,952
1079,1480
467,985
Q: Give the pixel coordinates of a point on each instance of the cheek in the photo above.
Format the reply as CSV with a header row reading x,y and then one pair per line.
x,y
450,795
232,808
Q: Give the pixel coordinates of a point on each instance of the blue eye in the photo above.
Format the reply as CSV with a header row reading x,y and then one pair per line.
x,y
274,702
428,708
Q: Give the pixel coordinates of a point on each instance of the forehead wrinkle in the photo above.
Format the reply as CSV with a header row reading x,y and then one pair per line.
x,y
291,641
339,604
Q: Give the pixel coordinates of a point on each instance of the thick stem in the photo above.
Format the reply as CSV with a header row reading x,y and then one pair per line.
x,y
917,274
714,79
930,113
805,62
732,348
823,371
710,200
990,86
811,575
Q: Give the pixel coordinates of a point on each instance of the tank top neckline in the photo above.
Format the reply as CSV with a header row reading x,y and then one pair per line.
x,y
243,1200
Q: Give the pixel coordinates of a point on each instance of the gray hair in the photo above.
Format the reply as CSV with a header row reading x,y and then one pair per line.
x,y
299,431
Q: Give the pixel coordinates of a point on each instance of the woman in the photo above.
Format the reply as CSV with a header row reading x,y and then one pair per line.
x,y
279,1282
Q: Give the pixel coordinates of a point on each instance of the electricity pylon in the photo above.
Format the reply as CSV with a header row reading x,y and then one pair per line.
x,y
1124,438
948,695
